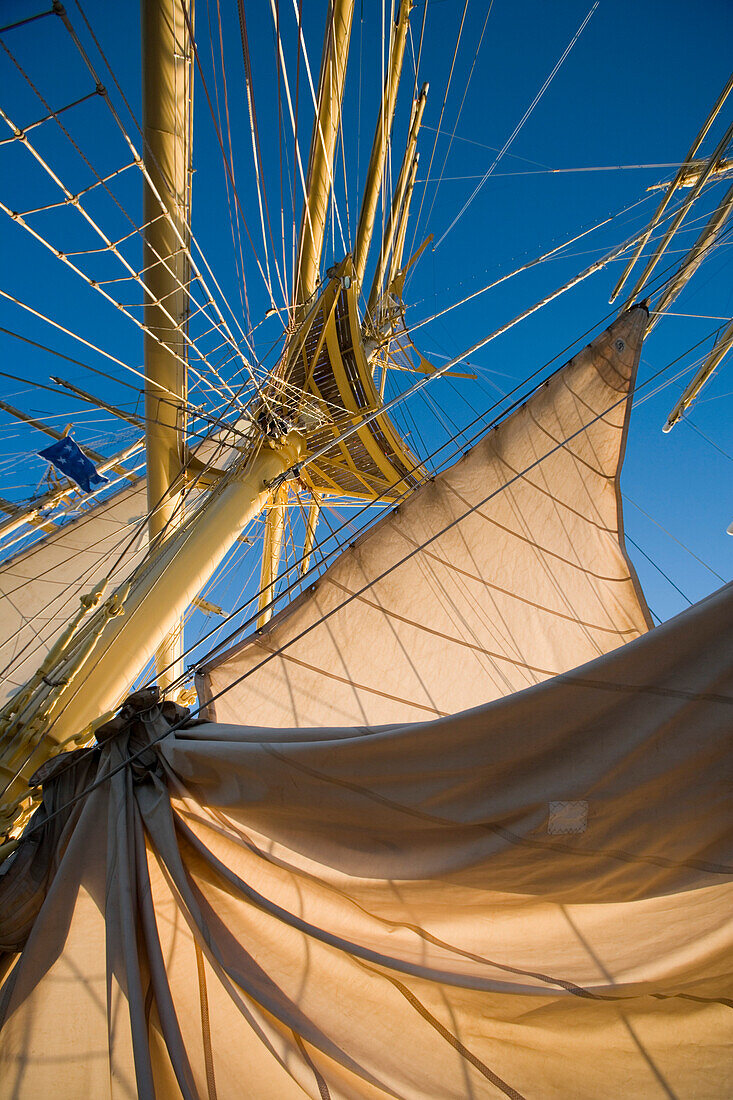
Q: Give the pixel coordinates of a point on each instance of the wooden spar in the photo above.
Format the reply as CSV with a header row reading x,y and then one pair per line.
x,y
722,168
694,257
309,542
167,128
399,248
681,213
723,346
272,552
380,144
676,182
92,676
319,179
399,194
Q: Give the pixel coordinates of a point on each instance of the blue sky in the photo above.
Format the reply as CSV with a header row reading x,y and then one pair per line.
x,y
633,91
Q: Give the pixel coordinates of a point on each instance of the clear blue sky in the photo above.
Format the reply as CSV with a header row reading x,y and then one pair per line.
x,y
633,91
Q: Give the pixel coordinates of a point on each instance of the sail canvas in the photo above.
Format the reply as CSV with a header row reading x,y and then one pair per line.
x,y
531,898
506,569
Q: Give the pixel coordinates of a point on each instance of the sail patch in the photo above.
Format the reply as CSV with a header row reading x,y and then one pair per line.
x,y
567,817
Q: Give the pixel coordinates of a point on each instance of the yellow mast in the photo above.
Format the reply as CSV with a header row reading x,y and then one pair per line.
x,y
272,551
319,180
380,144
311,522
399,248
319,184
393,220
167,129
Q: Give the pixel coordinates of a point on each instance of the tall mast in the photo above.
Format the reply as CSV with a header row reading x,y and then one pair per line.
x,y
399,248
393,220
381,141
319,180
167,120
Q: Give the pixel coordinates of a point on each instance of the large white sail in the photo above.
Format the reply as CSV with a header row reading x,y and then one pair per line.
x,y
506,569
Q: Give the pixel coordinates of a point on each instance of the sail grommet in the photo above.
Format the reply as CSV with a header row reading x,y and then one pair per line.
x,y
619,345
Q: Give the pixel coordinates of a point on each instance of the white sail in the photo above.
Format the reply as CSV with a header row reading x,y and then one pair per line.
x,y
506,569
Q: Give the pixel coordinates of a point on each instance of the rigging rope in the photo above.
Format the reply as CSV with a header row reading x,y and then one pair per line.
x,y
256,152
518,127
440,119
165,213
460,109
109,245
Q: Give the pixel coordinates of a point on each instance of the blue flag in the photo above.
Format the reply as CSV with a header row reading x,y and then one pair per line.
x,y
68,457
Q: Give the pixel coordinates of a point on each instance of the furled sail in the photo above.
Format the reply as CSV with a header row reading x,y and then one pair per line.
x,y
529,899
504,570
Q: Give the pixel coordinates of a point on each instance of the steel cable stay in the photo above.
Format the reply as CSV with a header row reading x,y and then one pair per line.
x,y
546,256
225,159
19,219
440,119
458,116
75,198
281,150
314,98
673,537
141,164
165,393
564,171
294,126
233,221
256,152
558,65
165,213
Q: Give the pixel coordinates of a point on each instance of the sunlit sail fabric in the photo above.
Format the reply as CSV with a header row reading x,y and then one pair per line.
x,y
529,899
40,587
504,570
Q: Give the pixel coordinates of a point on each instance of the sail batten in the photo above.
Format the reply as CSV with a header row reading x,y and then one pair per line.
x,y
504,570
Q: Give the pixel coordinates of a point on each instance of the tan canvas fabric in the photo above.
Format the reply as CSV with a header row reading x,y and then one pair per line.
x,y
40,587
504,570
531,899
